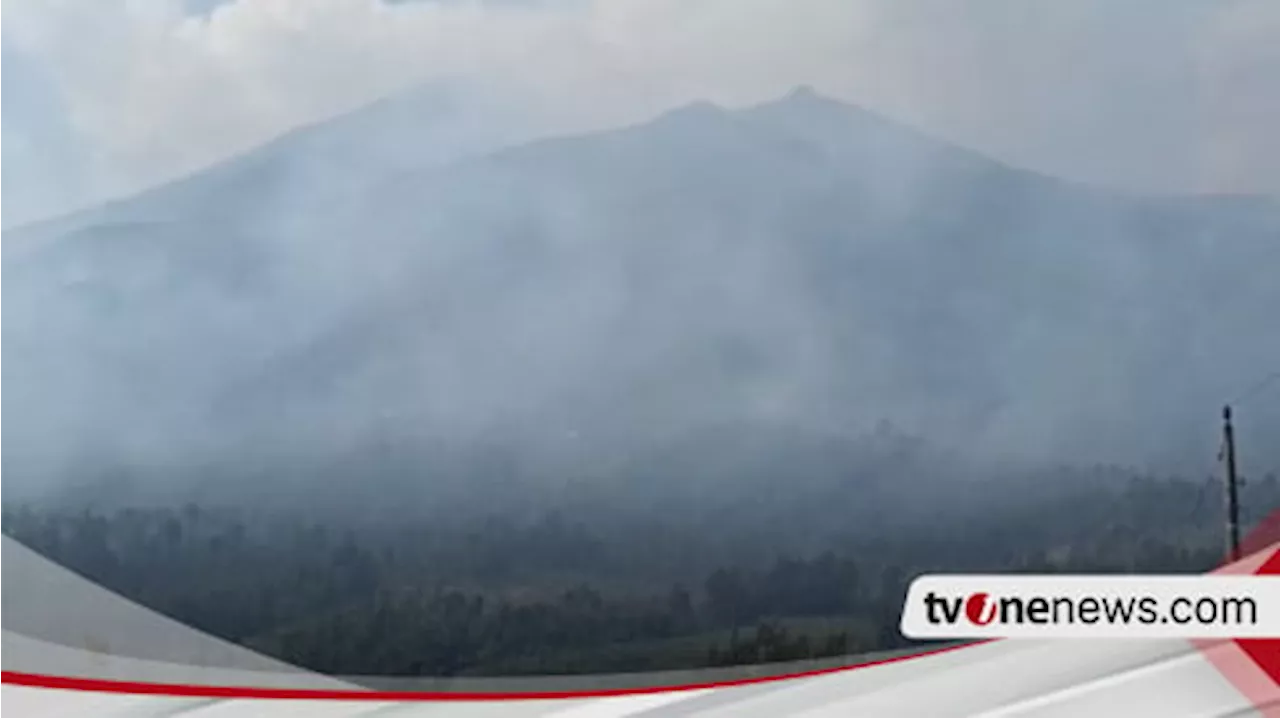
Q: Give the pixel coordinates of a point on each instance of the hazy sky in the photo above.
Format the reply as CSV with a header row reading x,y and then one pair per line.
x,y
103,98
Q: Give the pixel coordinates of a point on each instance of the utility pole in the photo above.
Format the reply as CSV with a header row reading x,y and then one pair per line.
x,y
1233,499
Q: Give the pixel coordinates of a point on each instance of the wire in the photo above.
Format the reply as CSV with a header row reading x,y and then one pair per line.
x,y
1256,388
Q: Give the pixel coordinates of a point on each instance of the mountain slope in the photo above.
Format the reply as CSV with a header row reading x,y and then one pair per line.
x,y
588,303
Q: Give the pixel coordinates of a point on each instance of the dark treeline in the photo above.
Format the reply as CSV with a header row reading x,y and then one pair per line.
x,y
559,591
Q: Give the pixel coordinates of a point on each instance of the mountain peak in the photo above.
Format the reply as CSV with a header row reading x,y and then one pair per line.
x,y
700,116
839,126
697,109
803,92
805,97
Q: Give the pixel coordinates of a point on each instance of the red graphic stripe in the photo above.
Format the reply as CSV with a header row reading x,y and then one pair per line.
x,y
1253,665
35,680
1266,651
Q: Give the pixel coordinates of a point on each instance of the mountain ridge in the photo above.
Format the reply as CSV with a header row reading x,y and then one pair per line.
x,y
700,269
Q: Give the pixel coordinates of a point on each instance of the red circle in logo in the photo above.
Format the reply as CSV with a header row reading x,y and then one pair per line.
x,y
975,608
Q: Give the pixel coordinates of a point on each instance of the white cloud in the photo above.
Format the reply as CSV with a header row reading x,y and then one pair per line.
x,y
1083,89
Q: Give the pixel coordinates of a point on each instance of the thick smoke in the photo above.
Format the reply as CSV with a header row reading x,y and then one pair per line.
x,y
460,287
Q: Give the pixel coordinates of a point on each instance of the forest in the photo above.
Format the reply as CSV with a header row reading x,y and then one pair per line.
x,y
562,590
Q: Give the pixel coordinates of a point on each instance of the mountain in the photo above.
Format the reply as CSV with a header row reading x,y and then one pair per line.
x,y
284,179
702,295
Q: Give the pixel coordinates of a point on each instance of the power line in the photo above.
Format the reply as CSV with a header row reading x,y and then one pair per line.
x,y
1256,388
